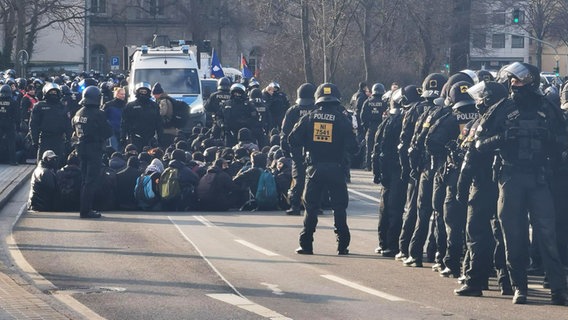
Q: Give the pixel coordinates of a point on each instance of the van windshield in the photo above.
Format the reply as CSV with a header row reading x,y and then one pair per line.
x,y
173,81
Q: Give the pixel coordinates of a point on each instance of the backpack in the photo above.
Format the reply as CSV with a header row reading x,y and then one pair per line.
x,y
180,114
143,193
266,194
169,184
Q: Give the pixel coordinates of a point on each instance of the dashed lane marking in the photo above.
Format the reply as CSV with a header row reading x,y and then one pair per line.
x,y
257,248
248,305
366,196
359,287
205,222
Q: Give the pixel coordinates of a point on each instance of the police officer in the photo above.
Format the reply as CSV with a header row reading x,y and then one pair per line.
x,y
443,145
387,172
50,125
262,128
277,103
355,105
9,120
326,136
238,113
90,131
526,134
305,103
214,104
477,189
141,119
371,116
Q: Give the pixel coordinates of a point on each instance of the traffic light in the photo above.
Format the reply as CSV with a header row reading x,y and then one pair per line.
x,y
516,16
557,71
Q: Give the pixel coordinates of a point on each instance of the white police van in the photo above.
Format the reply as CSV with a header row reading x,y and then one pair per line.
x,y
175,68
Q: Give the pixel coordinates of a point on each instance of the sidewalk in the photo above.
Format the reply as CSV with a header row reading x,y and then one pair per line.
x,y
17,297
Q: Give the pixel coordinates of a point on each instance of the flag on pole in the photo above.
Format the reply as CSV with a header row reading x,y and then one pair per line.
x,y
216,69
247,74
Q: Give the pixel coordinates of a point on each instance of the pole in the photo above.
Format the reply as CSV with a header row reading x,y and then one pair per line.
x,y
86,37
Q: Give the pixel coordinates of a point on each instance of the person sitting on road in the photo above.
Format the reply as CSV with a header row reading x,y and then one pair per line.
x,y
188,181
247,180
69,180
44,189
215,189
125,182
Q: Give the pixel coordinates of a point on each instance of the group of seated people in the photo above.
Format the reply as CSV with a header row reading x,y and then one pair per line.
x,y
208,177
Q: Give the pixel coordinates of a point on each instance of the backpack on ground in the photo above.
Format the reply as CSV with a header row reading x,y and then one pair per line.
x,y
169,184
266,194
180,114
143,192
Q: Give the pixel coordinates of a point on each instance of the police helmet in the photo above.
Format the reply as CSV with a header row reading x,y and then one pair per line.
x,y
386,96
378,89
38,82
458,96
487,93
91,96
327,92
75,86
484,75
473,76
305,94
458,77
396,99
21,83
224,84
564,98
524,73
51,88
255,94
142,89
5,91
65,90
410,94
274,85
58,80
10,81
238,90
10,73
432,85
87,82
253,83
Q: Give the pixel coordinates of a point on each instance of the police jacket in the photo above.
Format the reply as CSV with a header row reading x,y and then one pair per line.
x,y
49,121
238,113
90,126
70,104
44,189
385,151
291,117
264,116
372,113
141,117
113,111
278,104
9,112
325,134
444,134
526,135
215,102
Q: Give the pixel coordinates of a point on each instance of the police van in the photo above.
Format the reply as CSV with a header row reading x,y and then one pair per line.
x,y
175,67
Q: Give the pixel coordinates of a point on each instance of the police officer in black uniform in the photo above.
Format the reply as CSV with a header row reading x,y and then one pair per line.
x,y
214,104
141,120
262,128
305,103
387,172
527,134
90,131
477,189
277,103
326,136
371,117
9,120
50,124
238,113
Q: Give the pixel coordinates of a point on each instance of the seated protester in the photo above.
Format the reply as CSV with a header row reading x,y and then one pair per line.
x,y
215,189
183,145
130,150
275,140
44,189
154,171
195,131
187,181
156,153
283,177
125,183
117,161
245,141
145,160
229,155
69,182
247,180
105,198
242,160
210,154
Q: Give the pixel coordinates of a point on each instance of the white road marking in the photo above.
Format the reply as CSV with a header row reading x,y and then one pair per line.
x,y
361,194
274,288
248,305
257,248
359,287
205,222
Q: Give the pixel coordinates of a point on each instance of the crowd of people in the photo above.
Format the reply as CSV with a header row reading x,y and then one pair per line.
x,y
466,164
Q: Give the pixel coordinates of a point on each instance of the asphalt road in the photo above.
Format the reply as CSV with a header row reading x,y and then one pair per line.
x,y
241,265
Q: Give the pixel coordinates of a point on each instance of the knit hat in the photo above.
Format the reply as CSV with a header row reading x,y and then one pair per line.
x,y
157,88
244,135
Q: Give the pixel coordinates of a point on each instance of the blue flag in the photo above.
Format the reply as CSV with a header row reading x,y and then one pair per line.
x,y
216,69
247,74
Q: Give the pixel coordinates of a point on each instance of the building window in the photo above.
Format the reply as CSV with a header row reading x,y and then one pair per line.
x,y
479,40
98,58
156,8
498,17
498,41
517,42
98,6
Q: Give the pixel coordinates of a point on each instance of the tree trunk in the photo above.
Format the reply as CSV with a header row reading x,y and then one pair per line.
x,y
308,69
